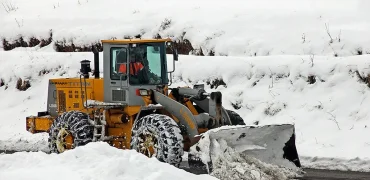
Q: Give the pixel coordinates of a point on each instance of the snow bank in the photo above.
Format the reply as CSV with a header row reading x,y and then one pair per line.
x,y
16,106
234,27
331,115
93,161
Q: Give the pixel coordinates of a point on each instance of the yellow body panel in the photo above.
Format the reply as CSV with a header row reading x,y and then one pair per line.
x,y
69,97
38,124
73,92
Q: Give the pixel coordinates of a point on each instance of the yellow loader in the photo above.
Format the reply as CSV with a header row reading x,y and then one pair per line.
x,y
133,107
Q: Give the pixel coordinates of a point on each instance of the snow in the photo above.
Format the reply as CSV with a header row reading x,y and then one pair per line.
x,y
337,96
93,161
231,165
233,28
265,143
355,164
330,116
289,39
92,103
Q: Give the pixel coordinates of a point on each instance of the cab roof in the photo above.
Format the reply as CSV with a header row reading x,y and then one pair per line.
x,y
131,41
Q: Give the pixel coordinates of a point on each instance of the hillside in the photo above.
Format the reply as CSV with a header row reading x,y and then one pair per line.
x,y
227,28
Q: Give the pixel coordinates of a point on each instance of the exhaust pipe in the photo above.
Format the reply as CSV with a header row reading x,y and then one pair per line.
x,y
96,62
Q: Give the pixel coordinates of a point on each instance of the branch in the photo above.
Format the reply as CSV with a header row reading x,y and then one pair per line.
x,y
312,57
19,25
5,8
334,119
335,53
327,31
340,32
272,80
8,7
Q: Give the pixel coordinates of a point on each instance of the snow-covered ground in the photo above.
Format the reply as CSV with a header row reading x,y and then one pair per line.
x,y
330,116
93,161
232,27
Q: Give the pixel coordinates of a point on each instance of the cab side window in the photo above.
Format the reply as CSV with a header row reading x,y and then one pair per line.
x,y
118,62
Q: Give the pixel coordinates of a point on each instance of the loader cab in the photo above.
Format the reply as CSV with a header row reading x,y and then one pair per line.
x,y
129,65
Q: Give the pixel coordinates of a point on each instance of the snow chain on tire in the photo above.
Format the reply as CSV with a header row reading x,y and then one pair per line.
x,y
77,124
168,135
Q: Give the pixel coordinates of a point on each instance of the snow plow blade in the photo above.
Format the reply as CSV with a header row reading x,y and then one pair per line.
x,y
272,144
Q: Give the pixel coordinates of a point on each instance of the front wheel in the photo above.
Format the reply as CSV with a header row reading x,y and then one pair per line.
x,y
69,130
159,136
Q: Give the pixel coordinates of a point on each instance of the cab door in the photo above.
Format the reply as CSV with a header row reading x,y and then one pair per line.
x,y
115,73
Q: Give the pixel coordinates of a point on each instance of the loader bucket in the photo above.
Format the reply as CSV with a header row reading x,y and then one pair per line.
x,y
272,144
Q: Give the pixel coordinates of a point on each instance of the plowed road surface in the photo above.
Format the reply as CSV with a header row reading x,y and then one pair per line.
x,y
320,174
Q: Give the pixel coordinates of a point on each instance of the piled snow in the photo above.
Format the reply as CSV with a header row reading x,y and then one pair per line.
x,y
234,163
331,116
93,161
231,165
233,27
265,143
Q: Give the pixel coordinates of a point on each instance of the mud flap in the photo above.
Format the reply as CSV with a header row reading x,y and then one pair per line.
x,y
272,144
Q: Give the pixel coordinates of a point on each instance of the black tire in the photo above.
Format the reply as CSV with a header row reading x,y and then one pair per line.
x,y
74,122
235,118
167,137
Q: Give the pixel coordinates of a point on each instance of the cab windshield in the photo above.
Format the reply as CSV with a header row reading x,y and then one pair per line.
x,y
146,64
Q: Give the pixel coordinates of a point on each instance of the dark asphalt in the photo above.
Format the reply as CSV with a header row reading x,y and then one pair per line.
x,y
321,174
315,174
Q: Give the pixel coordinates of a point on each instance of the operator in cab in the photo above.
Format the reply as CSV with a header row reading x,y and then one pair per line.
x,y
139,70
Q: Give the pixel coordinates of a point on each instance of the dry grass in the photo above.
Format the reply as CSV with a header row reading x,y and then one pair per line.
x,y
23,85
215,83
21,42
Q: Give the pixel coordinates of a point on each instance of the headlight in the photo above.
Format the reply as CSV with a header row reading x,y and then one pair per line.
x,y
142,92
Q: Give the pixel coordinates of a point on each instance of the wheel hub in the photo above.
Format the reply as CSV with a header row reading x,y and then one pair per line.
x,y
148,144
64,140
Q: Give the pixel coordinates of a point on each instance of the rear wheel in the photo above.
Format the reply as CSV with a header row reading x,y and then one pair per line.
x,y
235,118
69,130
159,136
